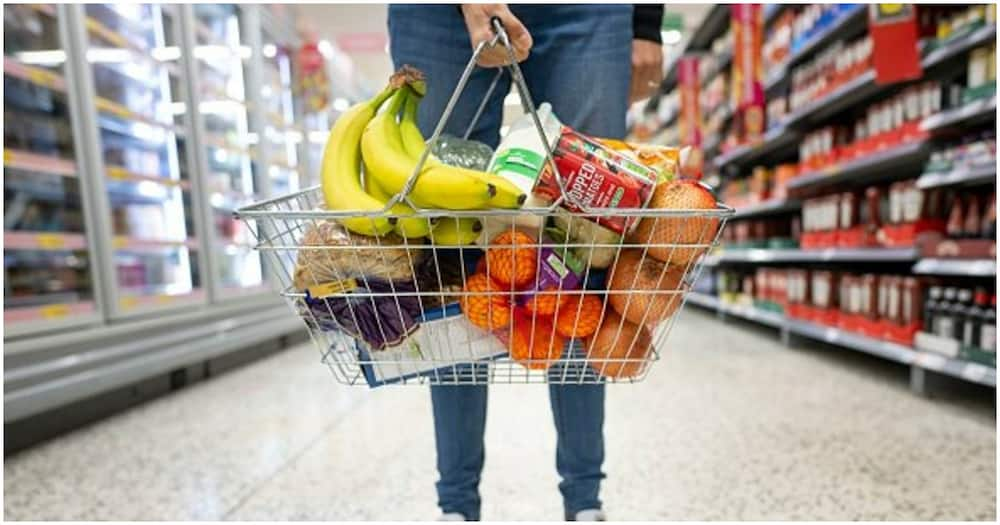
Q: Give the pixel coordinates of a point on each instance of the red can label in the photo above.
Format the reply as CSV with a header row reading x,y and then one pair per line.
x,y
597,177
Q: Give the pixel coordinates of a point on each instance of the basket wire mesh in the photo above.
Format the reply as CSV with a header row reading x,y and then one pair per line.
x,y
382,309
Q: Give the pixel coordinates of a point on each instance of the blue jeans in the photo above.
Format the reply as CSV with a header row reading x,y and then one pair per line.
x,y
580,63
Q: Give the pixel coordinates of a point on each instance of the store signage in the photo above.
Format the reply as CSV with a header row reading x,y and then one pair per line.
x,y
689,118
893,29
747,85
312,81
373,42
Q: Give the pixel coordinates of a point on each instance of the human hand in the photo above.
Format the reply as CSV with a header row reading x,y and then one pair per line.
x,y
477,21
647,69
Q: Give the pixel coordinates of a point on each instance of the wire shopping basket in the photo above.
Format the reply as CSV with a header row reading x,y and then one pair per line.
x,y
542,296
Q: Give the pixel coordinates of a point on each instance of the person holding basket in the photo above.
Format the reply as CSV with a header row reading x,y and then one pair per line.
x,y
589,62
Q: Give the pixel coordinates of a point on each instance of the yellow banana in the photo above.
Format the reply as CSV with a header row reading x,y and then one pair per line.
x,y
508,195
455,231
409,227
437,185
340,172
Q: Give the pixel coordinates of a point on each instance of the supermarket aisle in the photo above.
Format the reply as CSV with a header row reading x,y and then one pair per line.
x,y
728,426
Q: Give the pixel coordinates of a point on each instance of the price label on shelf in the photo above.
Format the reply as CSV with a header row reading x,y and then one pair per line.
x,y
54,311
119,242
831,335
974,371
164,299
117,173
8,157
127,303
50,241
931,361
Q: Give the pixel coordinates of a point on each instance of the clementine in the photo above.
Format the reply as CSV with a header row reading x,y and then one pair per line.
x,y
512,259
484,304
579,316
534,341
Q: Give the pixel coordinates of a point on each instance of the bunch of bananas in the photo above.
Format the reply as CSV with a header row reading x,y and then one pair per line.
x,y
388,144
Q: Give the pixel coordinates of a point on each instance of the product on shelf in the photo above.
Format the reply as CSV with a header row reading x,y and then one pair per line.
x,y
977,150
831,68
944,23
960,323
884,124
892,215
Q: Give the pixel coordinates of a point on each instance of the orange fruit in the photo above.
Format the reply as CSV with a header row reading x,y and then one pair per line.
x,y
619,349
658,232
483,304
538,351
643,289
546,303
512,259
579,316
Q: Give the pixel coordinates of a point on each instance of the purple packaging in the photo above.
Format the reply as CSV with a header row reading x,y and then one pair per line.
x,y
553,274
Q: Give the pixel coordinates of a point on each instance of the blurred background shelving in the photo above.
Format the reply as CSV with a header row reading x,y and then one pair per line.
x,y
132,132
854,186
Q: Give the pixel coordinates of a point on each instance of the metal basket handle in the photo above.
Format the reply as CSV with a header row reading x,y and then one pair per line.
x,y
514,69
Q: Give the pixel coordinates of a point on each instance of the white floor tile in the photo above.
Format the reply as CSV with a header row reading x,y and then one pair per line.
x,y
728,425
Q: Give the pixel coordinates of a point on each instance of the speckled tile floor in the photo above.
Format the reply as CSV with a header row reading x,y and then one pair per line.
x,y
730,425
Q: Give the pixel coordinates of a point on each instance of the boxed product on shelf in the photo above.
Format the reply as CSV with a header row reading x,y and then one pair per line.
x,y
887,307
891,215
970,231
832,67
972,151
945,23
817,18
981,76
778,42
884,124
959,323
769,232
770,289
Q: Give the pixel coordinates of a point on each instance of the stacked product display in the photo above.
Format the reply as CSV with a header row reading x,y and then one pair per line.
x,y
868,201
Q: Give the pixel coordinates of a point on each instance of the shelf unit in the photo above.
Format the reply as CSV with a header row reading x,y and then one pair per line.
x,y
119,239
917,360
880,166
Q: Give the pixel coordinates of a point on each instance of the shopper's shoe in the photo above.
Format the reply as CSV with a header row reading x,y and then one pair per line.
x,y
590,515
452,516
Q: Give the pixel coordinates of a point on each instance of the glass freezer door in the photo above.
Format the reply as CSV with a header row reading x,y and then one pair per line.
x,y
133,53
282,135
47,267
222,58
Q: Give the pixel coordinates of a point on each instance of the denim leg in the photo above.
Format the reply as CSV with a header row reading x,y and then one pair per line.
x,y
578,412
459,424
434,40
581,63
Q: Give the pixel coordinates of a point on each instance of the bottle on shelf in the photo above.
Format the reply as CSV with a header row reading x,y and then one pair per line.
x,y
989,226
970,230
957,312
931,308
988,327
974,318
954,227
943,322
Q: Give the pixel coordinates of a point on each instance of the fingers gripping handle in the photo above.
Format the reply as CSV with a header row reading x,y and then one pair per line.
x,y
500,37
